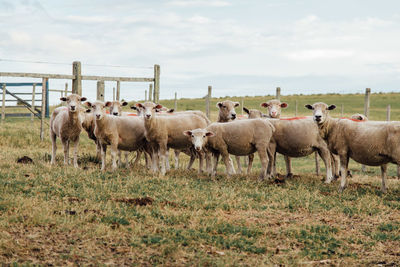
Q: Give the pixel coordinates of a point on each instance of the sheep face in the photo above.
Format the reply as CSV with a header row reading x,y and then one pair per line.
x,y
73,102
148,109
274,107
227,110
198,137
98,109
253,113
116,107
359,117
320,111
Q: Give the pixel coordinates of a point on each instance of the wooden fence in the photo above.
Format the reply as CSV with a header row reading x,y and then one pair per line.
x,y
77,78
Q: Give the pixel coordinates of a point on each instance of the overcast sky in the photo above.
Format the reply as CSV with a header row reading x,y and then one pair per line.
x,y
241,47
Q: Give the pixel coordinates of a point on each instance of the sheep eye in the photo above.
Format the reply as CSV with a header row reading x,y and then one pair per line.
x,y
192,135
204,136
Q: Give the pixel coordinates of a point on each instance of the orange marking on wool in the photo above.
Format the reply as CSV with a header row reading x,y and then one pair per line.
x,y
293,118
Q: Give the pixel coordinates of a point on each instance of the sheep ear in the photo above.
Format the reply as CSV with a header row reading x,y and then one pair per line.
x,y
88,104
164,109
331,107
309,106
158,106
210,134
139,105
133,107
236,104
83,99
219,104
188,133
246,110
264,105
171,110
284,105
124,103
108,104
63,98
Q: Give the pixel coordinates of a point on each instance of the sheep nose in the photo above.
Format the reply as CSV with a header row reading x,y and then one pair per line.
x,y
148,116
115,113
98,116
198,148
317,117
72,107
233,116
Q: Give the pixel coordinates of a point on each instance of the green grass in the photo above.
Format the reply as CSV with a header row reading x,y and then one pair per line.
x,y
59,215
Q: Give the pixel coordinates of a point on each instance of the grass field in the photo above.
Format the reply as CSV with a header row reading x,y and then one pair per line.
x,y
63,216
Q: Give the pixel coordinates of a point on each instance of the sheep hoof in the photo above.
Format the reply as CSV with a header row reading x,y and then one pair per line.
x,y
289,175
341,189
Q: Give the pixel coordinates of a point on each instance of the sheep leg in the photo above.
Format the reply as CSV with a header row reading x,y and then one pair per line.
x,y
114,152
326,157
119,157
250,163
208,162
191,161
163,153
103,156
65,144
344,159
176,152
228,163
76,143
126,159
53,137
216,158
288,164
270,158
167,160
154,158
336,165
137,159
262,153
384,175
201,161
239,165
98,149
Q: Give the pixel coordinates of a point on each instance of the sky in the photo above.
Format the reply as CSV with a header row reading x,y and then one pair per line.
x,y
240,47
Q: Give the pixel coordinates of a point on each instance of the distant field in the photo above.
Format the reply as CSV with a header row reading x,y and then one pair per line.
x,y
59,215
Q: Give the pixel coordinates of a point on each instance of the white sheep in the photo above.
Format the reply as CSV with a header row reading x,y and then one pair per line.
x,y
65,123
240,138
121,133
163,132
370,143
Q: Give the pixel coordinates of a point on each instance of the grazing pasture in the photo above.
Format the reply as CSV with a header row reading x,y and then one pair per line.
x,y
62,215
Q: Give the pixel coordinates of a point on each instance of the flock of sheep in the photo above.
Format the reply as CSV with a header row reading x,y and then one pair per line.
x,y
154,130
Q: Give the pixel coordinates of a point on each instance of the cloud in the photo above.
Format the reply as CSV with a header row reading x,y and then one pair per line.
x,y
203,3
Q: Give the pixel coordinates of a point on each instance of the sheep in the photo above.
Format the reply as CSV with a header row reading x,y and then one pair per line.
x,y
123,133
359,117
227,113
65,123
116,107
163,132
243,137
370,143
88,125
297,137
274,107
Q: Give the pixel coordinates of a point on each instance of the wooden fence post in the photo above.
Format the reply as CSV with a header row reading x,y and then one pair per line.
x,y
208,99
77,81
156,83
3,106
66,90
113,93
100,90
118,95
33,101
242,105
151,97
388,113
145,95
366,113
176,102
296,107
278,93
43,109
